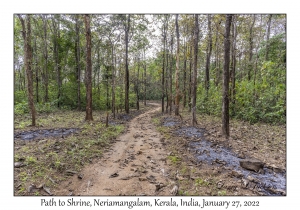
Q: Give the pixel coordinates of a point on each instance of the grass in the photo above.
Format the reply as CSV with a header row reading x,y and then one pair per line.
x,y
47,160
174,159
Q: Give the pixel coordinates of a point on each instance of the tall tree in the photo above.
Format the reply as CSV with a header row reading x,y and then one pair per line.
x,y
209,49
164,34
77,60
26,32
88,74
170,75
233,61
45,74
57,58
194,78
177,69
145,78
127,28
225,99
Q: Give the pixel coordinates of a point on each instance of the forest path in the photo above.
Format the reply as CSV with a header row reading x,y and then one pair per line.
x,y
135,165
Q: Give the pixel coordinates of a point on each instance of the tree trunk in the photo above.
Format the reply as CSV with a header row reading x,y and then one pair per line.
x,y
163,73
26,32
167,71
233,63
36,72
194,84
250,65
137,86
225,100
184,75
77,60
268,37
88,74
127,28
170,77
190,80
177,69
113,94
209,49
145,79
56,29
45,74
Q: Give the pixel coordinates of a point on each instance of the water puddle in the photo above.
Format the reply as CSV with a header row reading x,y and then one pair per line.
x,y
40,134
269,183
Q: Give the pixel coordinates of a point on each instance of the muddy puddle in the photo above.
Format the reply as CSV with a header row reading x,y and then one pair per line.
x,y
268,183
46,133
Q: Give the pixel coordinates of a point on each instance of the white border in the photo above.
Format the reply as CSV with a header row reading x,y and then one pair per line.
x,y
8,201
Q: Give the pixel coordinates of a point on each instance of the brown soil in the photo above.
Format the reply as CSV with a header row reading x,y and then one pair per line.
x,y
135,165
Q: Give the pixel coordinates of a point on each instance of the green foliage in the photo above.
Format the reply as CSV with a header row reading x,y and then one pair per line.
x,y
21,108
174,159
201,182
211,104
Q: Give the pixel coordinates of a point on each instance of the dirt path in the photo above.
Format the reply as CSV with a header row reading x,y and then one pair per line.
x,y
135,165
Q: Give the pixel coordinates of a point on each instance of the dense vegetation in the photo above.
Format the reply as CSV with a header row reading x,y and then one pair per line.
x,y
152,55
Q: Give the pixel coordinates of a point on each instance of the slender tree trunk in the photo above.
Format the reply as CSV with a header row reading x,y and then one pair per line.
x,y
268,37
113,95
256,61
225,100
137,86
190,80
46,97
194,85
26,32
145,79
184,75
233,62
163,78
177,69
170,76
167,71
56,29
250,65
77,60
164,33
88,74
36,72
127,28
209,49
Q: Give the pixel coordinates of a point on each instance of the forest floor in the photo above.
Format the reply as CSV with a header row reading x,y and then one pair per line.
x,y
145,153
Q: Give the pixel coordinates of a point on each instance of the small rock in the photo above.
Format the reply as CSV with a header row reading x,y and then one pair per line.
x,y
80,176
220,185
252,179
237,174
174,190
114,175
31,188
158,186
47,190
18,164
245,182
70,173
142,179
